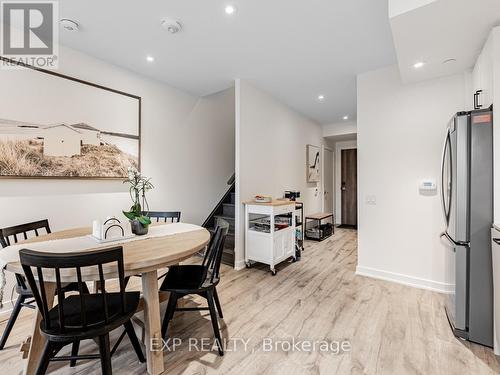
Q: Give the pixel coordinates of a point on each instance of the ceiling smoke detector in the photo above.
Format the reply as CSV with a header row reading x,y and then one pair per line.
x,y
68,24
172,25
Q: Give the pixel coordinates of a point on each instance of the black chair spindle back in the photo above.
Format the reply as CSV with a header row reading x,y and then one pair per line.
x,y
9,236
213,256
57,261
172,216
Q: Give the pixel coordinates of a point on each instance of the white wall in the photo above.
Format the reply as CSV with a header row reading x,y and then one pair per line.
x,y
339,128
271,144
187,149
397,7
400,135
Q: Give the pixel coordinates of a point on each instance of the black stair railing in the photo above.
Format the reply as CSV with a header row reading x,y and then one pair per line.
x,y
209,222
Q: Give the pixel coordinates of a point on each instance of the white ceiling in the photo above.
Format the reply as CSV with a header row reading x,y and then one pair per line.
x,y
437,30
294,49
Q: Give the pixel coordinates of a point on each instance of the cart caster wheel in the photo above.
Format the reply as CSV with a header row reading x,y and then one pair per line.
x,y
248,265
294,259
274,272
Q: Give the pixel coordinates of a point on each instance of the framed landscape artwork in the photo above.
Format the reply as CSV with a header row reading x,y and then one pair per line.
x,y
55,126
313,163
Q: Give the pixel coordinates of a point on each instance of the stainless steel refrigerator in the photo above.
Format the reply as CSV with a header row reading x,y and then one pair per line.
x,y
467,198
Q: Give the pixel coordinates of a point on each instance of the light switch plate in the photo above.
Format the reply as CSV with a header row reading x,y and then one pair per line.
x,y
371,200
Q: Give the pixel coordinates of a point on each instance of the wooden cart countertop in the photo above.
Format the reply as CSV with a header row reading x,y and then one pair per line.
x,y
319,216
272,203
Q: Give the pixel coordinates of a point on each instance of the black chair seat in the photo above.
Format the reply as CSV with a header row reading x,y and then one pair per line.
x,y
94,308
24,291
187,279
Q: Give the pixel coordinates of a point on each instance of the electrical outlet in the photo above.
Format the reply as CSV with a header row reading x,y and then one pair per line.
x,y
371,200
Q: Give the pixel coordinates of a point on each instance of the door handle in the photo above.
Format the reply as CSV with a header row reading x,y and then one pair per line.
x,y
453,243
443,162
496,240
449,242
343,188
476,99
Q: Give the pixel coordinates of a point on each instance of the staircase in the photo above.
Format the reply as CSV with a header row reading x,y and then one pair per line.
x,y
225,209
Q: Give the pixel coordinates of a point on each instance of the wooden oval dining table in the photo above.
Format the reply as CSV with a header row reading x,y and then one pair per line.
x,y
141,256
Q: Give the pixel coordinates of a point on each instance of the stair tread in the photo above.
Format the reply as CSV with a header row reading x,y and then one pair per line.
x,y
224,217
229,233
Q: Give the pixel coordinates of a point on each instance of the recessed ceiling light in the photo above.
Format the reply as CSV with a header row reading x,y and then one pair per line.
x,y
150,58
321,98
69,25
346,117
418,65
230,9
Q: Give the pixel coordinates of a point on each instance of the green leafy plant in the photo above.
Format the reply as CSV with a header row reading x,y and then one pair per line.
x,y
139,185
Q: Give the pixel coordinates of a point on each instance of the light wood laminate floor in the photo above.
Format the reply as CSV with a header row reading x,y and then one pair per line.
x,y
392,329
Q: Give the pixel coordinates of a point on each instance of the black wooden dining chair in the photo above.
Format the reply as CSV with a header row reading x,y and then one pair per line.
x,y
82,316
165,216
199,279
10,236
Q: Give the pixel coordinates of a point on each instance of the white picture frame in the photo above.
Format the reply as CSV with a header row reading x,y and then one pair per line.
x,y
313,163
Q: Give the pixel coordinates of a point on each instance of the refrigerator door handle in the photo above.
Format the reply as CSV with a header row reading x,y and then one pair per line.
x,y
450,242
443,162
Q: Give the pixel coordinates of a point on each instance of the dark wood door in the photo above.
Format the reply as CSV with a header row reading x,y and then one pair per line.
x,y
349,187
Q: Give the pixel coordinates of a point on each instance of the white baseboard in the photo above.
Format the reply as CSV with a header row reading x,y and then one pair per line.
x,y
239,265
412,281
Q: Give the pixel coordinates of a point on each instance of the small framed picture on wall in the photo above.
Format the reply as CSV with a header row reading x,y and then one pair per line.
x,y
313,163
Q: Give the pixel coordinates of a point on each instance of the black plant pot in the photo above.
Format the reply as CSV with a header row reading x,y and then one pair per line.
x,y
137,228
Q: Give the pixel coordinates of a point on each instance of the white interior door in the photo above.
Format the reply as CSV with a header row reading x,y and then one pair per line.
x,y
328,193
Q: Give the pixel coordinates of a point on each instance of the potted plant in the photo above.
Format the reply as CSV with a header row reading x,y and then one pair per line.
x,y
139,185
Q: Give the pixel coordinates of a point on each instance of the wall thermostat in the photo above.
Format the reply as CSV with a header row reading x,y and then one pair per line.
x,y
428,185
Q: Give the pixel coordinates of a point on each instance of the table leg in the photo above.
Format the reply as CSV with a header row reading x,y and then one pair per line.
x,y
95,286
37,340
152,323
